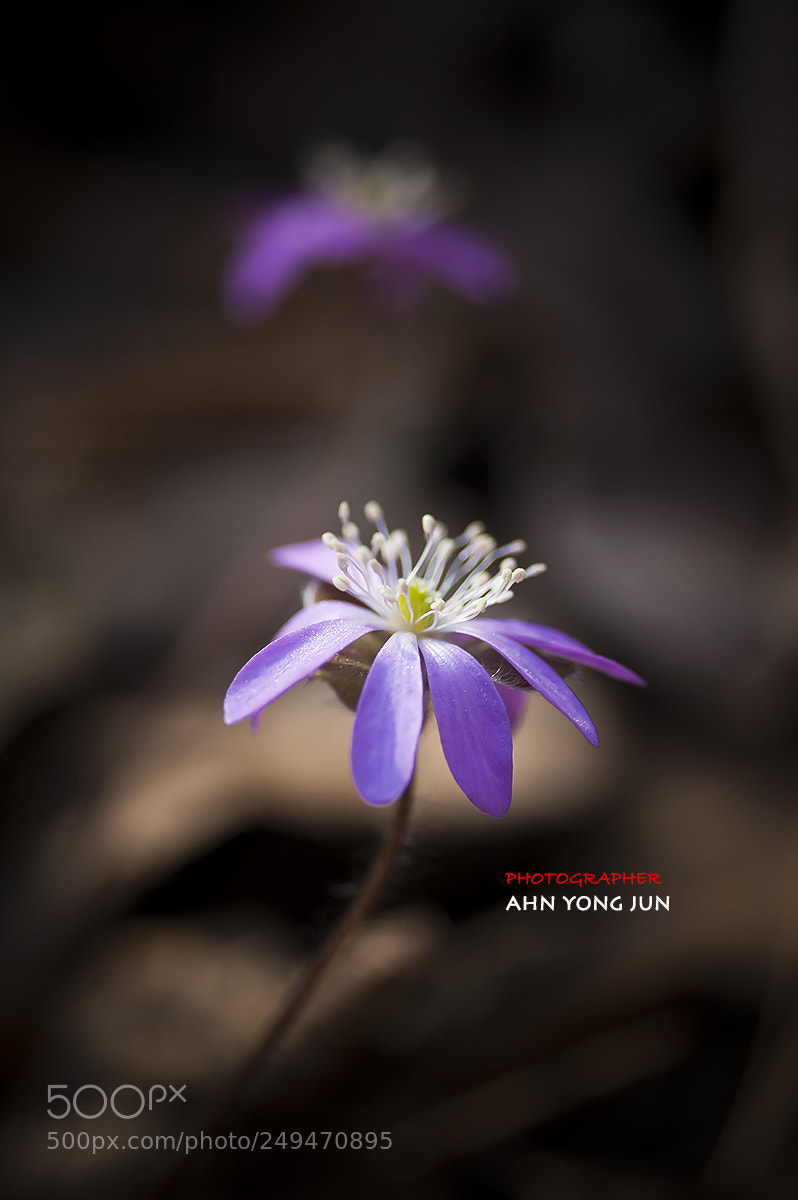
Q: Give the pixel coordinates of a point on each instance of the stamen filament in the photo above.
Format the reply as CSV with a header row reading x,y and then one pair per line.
x,y
449,584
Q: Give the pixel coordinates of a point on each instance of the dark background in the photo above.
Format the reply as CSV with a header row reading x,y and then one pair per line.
x,y
630,412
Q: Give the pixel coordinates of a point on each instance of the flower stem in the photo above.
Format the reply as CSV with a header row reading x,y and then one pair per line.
x,y
305,987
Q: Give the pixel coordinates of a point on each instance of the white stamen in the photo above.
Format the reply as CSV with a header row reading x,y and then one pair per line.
x,y
399,183
449,584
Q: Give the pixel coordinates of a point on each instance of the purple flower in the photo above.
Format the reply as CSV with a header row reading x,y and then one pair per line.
x,y
434,639
386,213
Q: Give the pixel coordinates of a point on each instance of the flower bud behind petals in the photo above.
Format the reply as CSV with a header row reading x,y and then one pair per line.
x,y
346,672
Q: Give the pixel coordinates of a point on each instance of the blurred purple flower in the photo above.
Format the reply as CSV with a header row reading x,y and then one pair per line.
x,y
387,213
432,614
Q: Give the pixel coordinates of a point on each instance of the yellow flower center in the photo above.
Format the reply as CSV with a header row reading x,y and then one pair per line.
x,y
415,607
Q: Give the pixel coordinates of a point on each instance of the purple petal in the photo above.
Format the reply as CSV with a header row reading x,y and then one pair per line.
x,y
552,641
473,725
312,558
388,721
543,637
289,239
514,700
328,610
544,679
463,260
283,663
